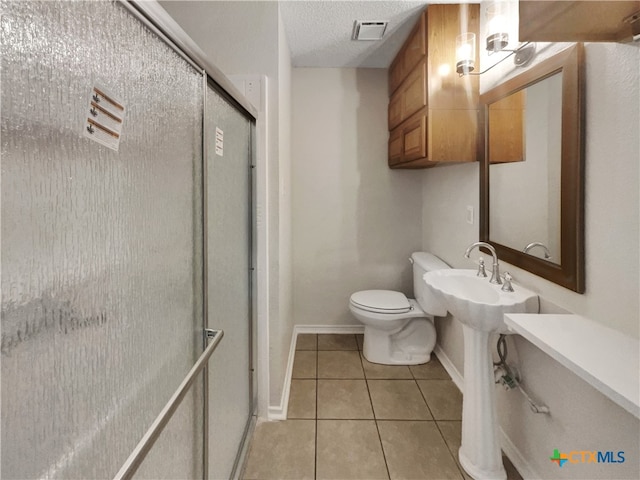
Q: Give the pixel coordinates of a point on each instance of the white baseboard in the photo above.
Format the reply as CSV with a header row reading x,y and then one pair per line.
x,y
328,329
448,365
516,457
519,461
279,412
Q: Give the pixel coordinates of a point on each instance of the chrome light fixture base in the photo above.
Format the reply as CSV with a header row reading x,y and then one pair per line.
x,y
465,67
497,42
524,55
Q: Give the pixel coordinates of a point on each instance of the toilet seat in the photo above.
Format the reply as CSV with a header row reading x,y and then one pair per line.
x,y
381,301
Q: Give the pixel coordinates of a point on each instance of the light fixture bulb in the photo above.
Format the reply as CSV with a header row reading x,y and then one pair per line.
x,y
497,27
444,70
497,23
465,53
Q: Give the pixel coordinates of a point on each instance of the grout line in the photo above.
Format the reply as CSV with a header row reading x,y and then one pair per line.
x,y
380,419
375,379
339,349
375,420
341,378
455,458
315,449
425,400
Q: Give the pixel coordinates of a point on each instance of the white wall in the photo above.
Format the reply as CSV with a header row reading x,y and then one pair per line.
x,y
581,418
355,221
281,328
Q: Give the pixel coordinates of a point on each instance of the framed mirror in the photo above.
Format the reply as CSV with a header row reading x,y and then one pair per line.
x,y
532,169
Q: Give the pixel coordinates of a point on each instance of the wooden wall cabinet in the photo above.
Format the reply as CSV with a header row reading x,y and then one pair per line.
x,y
507,127
433,112
413,50
410,97
578,21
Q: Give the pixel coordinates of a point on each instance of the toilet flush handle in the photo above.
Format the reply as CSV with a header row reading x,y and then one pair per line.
x,y
411,260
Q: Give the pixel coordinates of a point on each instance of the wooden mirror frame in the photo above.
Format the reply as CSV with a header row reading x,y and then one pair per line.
x,y
570,272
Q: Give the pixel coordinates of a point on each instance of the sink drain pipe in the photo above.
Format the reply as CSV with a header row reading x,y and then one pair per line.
x,y
509,377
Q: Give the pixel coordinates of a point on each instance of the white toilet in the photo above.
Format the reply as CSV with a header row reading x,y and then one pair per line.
x,y
399,330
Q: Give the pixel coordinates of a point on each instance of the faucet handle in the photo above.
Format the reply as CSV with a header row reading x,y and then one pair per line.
x,y
506,286
481,270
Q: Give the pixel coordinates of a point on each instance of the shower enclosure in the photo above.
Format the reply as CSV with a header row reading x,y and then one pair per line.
x,y
126,231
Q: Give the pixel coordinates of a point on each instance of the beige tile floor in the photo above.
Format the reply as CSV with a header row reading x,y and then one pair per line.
x,y
352,419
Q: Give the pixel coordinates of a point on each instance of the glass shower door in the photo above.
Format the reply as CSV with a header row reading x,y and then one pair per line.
x,y
228,243
101,303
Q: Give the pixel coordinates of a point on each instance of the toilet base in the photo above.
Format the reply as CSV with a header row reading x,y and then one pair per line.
x,y
410,345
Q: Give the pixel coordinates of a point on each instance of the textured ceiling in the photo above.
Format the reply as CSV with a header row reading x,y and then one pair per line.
x,y
319,31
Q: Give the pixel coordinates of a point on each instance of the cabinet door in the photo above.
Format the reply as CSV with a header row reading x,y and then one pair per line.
x,y
395,75
450,91
453,100
576,21
414,91
410,98
413,50
414,135
395,147
416,47
506,127
507,134
452,135
395,110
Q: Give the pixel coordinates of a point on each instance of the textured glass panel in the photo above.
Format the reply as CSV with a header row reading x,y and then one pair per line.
x,y
101,307
228,246
173,456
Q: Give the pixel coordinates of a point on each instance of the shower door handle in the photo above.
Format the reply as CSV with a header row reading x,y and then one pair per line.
x,y
139,453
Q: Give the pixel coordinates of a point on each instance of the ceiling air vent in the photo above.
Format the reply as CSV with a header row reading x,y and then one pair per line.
x,y
368,30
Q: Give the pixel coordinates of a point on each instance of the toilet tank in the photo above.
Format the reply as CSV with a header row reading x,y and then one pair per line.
x,y
424,262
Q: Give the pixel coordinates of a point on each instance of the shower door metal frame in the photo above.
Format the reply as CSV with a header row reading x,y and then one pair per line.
x,y
209,82
154,17
205,282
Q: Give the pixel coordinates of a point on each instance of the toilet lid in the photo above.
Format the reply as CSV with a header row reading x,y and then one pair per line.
x,y
381,301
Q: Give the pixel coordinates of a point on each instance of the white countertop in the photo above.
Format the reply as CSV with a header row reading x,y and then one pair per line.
x,y
605,358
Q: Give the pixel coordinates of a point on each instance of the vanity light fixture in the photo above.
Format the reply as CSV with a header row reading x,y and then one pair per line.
x,y
497,27
496,41
465,53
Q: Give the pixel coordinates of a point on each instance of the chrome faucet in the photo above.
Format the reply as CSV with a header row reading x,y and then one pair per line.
x,y
506,286
495,275
547,254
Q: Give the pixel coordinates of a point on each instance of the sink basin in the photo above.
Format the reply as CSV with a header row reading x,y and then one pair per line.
x,y
476,302
480,307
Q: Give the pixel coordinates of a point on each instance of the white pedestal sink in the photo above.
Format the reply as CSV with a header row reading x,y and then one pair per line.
x,y
479,306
